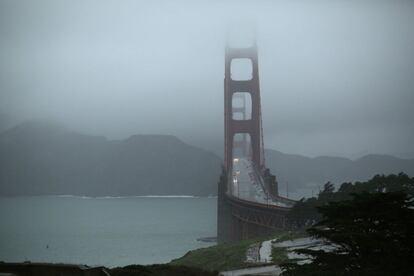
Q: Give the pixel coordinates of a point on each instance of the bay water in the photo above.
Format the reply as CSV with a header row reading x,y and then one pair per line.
x,y
103,231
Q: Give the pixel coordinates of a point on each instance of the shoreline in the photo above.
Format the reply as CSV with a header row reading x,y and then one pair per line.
x,y
109,197
63,269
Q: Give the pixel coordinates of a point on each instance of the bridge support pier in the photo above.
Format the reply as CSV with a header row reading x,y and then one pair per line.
x,y
231,228
225,227
239,220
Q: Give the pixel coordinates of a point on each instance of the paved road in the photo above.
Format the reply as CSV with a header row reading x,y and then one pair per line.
x,y
248,185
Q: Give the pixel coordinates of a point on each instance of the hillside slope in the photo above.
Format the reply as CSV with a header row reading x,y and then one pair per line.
x,y
303,172
42,158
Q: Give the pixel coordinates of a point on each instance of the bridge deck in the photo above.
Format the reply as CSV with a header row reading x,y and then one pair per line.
x,y
246,184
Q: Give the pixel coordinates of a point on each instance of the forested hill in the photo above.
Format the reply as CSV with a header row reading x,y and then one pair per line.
x,y
40,158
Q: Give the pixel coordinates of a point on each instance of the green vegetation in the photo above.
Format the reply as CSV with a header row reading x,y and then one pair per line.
x,y
291,235
279,255
221,257
232,255
305,212
351,213
159,270
370,227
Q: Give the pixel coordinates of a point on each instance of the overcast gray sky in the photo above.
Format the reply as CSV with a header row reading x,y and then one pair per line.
x,y
337,77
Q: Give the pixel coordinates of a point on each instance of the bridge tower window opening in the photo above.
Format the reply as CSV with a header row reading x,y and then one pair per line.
x,y
242,146
241,106
241,69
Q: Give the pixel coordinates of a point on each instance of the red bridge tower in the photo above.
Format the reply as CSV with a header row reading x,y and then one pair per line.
x,y
251,126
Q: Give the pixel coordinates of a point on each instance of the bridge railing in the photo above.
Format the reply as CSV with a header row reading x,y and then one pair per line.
x,y
269,199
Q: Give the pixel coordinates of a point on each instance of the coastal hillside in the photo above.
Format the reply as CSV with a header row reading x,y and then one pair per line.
x,y
5,122
38,158
303,172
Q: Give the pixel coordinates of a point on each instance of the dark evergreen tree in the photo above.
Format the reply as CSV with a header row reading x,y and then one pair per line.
x,y
371,234
305,212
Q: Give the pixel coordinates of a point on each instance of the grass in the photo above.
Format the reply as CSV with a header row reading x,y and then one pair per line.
x,y
159,270
279,255
291,235
229,256
220,257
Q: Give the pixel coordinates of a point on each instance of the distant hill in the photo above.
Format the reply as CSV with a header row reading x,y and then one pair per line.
x,y
43,158
306,173
5,122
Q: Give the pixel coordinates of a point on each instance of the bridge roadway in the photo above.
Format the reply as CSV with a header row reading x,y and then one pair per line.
x,y
246,208
248,202
246,184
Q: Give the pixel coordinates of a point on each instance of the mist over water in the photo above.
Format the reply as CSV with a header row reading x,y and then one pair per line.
x,y
112,121
336,78
103,231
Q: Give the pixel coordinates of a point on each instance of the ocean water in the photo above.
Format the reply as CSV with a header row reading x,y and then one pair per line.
x,y
103,231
